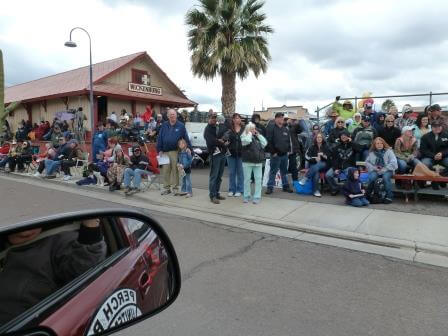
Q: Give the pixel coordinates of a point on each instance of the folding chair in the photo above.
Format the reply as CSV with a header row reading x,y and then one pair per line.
x,y
80,163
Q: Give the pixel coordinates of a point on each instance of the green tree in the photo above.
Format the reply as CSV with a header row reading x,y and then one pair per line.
x,y
387,104
4,111
228,38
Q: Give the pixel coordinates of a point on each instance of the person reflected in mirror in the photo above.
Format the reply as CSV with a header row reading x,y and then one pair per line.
x,y
35,263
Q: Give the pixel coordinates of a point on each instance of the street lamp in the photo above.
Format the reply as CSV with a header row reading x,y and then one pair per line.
x,y
72,44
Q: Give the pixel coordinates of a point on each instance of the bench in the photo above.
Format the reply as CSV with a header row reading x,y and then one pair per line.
x,y
416,190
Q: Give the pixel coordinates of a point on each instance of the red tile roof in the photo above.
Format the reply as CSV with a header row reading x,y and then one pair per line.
x,y
75,82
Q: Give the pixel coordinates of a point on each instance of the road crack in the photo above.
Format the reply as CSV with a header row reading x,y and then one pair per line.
x,y
188,275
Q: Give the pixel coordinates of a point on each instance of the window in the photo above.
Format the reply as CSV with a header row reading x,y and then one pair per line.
x,y
140,77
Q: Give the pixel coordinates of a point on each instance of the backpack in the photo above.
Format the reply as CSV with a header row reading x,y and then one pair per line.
x,y
378,193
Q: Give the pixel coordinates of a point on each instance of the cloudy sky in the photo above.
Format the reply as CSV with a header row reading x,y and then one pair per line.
x,y
320,48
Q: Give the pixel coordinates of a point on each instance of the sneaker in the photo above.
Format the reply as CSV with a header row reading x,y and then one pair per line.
x,y
50,177
36,174
303,181
317,193
256,201
127,190
288,190
230,194
238,194
67,177
7,170
165,192
334,192
221,198
245,201
387,201
182,193
268,191
189,195
215,200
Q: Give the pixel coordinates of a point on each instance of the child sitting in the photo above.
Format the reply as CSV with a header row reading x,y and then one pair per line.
x,y
184,165
354,194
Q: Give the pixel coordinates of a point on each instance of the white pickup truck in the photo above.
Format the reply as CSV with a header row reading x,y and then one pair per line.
x,y
195,132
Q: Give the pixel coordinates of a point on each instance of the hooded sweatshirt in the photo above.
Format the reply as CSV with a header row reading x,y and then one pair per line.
x,y
351,186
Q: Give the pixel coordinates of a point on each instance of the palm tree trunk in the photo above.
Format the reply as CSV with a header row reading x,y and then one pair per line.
x,y
228,96
2,93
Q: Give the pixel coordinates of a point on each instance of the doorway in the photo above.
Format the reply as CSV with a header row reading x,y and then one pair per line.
x,y
102,109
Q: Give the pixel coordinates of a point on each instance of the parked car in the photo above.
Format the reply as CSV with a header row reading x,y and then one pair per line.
x,y
196,134
137,277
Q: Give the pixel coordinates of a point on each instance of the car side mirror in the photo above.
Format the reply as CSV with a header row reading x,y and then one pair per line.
x,y
85,273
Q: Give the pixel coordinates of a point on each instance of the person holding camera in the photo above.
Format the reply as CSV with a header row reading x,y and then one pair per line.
x,y
216,137
279,145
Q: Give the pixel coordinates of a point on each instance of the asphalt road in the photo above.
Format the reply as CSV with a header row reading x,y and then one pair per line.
x,y
427,205
239,282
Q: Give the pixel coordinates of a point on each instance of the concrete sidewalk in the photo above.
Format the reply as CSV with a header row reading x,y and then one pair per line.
x,y
413,237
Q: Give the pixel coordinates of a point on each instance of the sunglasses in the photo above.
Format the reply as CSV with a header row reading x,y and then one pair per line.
x,y
389,121
340,122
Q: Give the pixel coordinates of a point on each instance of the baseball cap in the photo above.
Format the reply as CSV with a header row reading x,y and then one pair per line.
x,y
435,107
368,105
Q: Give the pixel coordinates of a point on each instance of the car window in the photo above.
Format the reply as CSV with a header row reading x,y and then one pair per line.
x,y
136,227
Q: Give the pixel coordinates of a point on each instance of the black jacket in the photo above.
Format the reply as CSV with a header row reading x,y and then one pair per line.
x,y
139,162
334,135
311,153
32,272
343,156
294,132
279,140
429,147
235,146
390,135
254,152
211,136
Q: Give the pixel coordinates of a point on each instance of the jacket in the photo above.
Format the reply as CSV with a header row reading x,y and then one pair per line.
x,y
401,122
429,147
363,137
33,271
253,148
311,153
405,154
351,186
294,132
343,113
279,141
235,146
185,159
170,135
390,161
390,135
334,135
343,156
139,162
211,135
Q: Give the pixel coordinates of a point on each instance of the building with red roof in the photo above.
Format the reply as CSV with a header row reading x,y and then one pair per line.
x,y
130,82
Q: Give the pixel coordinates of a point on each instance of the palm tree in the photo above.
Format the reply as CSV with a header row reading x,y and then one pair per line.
x,y
228,38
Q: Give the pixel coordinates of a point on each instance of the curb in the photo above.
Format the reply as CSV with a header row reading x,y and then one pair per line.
x,y
417,247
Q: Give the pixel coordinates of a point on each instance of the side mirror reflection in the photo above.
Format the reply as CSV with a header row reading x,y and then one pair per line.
x,y
92,274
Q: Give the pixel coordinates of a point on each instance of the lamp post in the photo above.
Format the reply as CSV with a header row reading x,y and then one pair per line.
x,y
72,44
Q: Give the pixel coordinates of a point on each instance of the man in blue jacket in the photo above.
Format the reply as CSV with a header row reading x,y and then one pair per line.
x,y
170,133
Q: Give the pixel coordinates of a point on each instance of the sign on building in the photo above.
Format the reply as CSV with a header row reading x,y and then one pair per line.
x,y
145,89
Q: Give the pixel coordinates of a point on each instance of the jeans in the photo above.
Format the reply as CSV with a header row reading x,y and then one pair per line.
x,y
292,166
330,176
186,184
362,155
358,202
136,174
387,177
236,176
431,162
51,166
278,162
255,169
313,173
404,167
4,162
217,164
